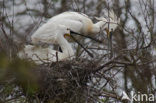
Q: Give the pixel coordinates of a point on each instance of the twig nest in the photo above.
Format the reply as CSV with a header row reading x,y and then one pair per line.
x,y
64,81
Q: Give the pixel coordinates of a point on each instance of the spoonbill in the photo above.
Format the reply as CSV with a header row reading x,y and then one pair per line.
x,y
75,21
41,55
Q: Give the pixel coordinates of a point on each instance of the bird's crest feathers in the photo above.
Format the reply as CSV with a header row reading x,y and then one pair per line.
x,y
110,18
101,19
113,17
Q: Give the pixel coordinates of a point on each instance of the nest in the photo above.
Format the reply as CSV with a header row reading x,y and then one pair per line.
x,y
64,82
61,82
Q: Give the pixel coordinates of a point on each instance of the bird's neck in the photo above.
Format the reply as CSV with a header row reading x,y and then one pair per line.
x,y
67,50
97,26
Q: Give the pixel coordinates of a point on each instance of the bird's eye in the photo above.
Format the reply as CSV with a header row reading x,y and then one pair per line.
x,y
67,28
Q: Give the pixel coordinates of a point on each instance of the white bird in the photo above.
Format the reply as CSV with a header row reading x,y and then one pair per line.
x,y
112,22
77,22
41,55
51,31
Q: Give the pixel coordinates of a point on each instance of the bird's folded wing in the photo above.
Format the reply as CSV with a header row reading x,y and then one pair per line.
x,y
74,25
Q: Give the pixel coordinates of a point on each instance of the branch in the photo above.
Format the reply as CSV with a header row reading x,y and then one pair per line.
x,y
90,54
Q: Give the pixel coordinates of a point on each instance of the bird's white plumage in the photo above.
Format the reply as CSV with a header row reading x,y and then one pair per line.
x,y
41,55
112,20
52,33
77,22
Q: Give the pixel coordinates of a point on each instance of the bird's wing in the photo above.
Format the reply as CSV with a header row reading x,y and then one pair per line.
x,y
46,34
74,25
74,14
69,16
49,38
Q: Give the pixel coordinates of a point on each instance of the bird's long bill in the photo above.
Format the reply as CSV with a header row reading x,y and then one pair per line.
x,y
90,54
72,32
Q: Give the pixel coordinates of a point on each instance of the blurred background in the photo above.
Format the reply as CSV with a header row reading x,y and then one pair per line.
x,y
129,66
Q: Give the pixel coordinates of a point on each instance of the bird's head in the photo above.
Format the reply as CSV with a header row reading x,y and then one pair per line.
x,y
65,31
111,22
107,31
67,35
110,27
